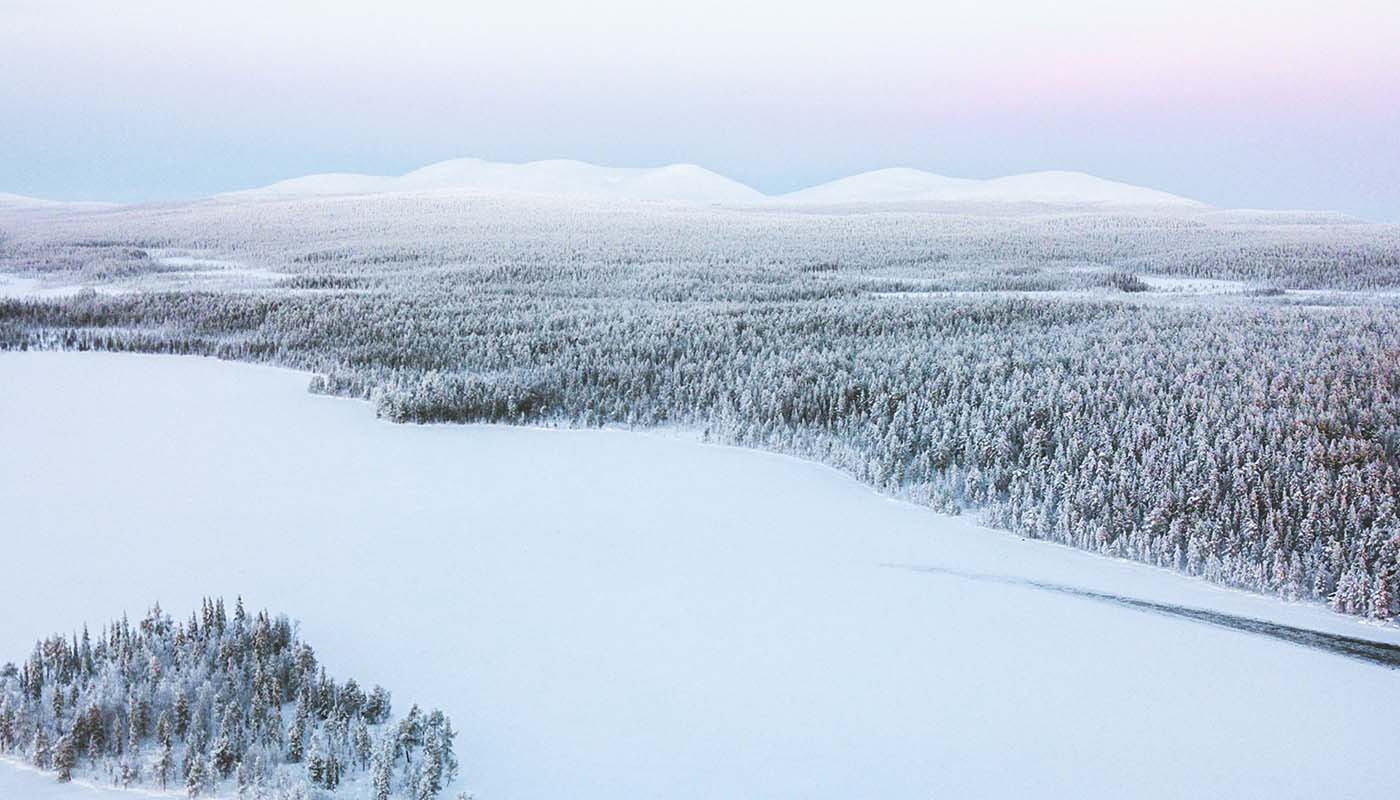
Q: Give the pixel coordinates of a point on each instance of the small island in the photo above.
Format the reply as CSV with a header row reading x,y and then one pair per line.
x,y
216,705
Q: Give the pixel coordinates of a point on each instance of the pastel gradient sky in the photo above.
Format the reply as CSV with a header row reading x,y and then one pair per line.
x,y
1280,104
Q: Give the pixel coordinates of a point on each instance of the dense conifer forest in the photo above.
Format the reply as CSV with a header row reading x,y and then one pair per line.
x,y
1216,393
222,704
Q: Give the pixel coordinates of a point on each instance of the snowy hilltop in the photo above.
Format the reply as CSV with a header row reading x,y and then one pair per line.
x,y
687,184
916,186
677,183
22,202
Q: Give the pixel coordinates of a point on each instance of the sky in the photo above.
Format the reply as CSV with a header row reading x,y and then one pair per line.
x,y
1278,104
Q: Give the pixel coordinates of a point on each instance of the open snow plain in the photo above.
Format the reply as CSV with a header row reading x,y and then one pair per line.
x,y
614,615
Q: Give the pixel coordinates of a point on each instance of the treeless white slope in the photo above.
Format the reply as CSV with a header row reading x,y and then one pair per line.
x,y
916,186
7,199
677,183
13,201
327,183
895,185
693,185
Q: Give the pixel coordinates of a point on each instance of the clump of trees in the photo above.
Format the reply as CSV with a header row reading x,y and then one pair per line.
x,y
211,705
1126,282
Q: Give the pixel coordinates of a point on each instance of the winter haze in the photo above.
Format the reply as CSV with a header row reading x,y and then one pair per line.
x,y
1268,104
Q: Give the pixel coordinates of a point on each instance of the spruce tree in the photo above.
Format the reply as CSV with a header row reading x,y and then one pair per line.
x,y
196,777
182,713
296,734
165,765
316,767
39,753
383,769
65,757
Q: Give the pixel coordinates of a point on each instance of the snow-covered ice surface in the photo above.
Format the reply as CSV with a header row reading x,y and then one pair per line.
x,y
614,615
195,262
15,287
1169,283
187,273
199,272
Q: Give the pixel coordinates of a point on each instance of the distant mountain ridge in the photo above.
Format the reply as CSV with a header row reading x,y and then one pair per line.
x,y
902,185
689,184
677,183
23,201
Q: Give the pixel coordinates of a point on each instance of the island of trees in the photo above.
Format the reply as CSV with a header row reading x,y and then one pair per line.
x,y
220,704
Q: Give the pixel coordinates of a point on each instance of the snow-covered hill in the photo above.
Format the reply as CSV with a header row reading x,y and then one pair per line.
x,y
903,185
19,201
677,183
688,184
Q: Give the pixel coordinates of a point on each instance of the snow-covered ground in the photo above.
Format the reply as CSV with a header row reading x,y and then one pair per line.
x,y
616,615
190,273
1169,283
13,286
19,781
200,272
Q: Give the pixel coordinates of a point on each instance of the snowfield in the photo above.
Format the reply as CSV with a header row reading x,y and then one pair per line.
x,y
615,615
20,781
182,273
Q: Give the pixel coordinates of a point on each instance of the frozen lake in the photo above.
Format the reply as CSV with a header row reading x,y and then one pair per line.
x,y
617,615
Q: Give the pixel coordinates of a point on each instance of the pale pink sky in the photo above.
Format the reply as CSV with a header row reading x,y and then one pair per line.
x,y
1277,104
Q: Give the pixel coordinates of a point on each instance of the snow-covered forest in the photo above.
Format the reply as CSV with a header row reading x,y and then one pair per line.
x,y
219,703
1210,392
